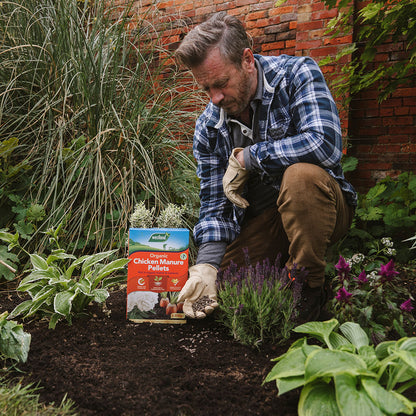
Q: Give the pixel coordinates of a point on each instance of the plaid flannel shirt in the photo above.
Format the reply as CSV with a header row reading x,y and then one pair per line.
x,y
298,122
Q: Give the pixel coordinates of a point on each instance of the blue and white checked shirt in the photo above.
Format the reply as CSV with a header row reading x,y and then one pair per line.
x,y
298,122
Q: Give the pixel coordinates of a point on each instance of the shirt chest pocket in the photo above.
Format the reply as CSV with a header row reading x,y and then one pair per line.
x,y
280,129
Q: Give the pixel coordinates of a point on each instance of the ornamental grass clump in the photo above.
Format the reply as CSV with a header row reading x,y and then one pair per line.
x,y
258,303
374,297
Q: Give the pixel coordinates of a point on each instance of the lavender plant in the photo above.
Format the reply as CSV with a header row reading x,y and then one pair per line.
x,y
370,293
258,303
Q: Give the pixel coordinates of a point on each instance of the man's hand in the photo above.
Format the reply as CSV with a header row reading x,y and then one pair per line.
x,y
201,283
234,180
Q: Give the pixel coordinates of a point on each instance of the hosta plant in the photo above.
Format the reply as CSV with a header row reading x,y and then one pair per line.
x,y
14,341
61,285
344,374
258,303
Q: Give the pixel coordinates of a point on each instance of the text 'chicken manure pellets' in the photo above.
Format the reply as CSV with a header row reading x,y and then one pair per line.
x,y
201,303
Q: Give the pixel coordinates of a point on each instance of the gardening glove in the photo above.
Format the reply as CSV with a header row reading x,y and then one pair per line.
x,y
201,283
234,180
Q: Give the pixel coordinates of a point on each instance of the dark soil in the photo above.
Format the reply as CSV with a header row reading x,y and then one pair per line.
x,y
113,367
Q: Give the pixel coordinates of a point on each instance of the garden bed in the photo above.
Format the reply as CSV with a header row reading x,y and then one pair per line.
x,y
110,366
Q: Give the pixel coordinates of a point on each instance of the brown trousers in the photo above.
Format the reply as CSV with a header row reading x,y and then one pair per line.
x,y
311,214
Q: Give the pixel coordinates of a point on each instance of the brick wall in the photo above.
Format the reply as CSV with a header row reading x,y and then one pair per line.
x,y
381,136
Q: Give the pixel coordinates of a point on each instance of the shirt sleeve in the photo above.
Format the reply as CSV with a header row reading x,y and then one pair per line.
x,y
312,133
218,219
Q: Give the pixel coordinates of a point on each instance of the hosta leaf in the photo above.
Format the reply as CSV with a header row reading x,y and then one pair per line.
x,y
108,269
408,344
338,341
100,295
44,293
409,357
368,354
328,363
292,364
353,400
391,403
63,302
54,320
355,334
21,309
59,255
114,280
74,265
289,383
318,399
95,258
38,262
321,330
37,275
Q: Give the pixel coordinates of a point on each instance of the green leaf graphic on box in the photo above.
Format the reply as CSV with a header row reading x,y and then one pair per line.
x,y
159,237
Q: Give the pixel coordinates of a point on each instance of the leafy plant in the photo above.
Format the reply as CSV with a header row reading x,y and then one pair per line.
x,y
375,23
55,290
347,375
371,294
258,303
14,341
387,209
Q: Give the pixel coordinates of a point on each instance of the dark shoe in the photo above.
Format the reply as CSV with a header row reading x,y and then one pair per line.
x,y
311,304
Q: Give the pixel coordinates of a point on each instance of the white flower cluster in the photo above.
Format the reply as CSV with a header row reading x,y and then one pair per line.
x,y
356,259
387,242
388,246
372,277
170,217
141,217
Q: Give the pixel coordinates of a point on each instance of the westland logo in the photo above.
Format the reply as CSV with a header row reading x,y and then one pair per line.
x,y
159,237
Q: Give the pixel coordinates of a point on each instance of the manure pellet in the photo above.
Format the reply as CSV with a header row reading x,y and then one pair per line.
x,y
201,303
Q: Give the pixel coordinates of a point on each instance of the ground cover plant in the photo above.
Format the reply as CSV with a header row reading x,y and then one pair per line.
x,y
348,375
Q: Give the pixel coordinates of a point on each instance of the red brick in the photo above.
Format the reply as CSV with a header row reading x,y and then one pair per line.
x,y
311,44
324,14
306,26
322,52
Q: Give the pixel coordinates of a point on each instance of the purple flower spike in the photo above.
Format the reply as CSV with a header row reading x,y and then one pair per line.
x,y
362,277
343,268
407,306
343,295
387,271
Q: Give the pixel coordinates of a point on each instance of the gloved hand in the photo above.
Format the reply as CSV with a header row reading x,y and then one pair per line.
x,y
234,180
201,283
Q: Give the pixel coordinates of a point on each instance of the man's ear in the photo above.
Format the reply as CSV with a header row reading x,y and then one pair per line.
x,y
248,59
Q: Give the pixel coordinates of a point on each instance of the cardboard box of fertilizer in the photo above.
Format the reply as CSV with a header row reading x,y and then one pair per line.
x,y
156,273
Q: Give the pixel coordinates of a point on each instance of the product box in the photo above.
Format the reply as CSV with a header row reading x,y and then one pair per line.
x,y
156,273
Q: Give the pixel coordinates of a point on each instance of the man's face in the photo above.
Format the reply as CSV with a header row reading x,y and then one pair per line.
x,y
228,86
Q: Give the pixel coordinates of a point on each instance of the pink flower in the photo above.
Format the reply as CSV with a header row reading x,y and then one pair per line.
x,y
362,277
343,268
343,295
407,306
387,271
